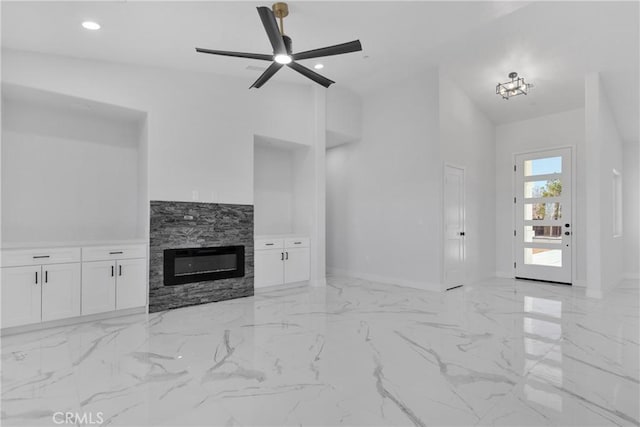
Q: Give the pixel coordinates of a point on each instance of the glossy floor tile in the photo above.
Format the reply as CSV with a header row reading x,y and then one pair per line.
x,y
501,352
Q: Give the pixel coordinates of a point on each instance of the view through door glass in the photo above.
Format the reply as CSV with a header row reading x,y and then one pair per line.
x,y
543,234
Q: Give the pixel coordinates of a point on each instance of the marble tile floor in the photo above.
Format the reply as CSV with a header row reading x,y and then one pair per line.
x,y
355,353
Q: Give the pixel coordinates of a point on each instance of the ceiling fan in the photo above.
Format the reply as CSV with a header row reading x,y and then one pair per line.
x,y
282,53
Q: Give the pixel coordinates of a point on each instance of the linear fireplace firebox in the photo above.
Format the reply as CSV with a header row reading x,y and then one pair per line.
x,y
202,264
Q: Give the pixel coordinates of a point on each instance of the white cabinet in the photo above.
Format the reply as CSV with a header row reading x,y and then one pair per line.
x,y
113,278
98,287
21,295
296,265
60,291
39,285
131,290
288,263
269,267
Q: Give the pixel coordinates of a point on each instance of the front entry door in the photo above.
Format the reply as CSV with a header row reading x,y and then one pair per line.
x,y
543,234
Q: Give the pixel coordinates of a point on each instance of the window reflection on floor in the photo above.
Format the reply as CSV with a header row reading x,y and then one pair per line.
x,y
542,329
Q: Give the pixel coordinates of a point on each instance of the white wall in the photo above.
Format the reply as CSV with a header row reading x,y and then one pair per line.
x,y
604,153
467,139
631,210
200,125
541,133
344,116
68,175
384,191
273,190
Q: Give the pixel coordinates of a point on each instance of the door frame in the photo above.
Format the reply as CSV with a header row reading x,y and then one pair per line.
x,y
464,221
574,210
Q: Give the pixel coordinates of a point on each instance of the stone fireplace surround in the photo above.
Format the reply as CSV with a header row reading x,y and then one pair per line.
x,y
177,225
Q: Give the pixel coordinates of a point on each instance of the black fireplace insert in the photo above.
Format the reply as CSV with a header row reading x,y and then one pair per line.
x,y
202,264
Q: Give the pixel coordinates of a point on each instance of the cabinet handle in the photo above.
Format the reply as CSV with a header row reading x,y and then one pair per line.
x,y
40,256
115,253
287,255
46,276
36,277
119,270
112,273
281,256
268,244
297,243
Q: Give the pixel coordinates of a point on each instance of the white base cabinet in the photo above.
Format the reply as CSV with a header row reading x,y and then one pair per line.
x,y
268,267
113,279
44,290
41,285
60,291
280,261
98,287
21,295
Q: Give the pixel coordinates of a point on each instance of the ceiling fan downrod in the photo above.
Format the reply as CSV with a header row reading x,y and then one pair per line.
x,y
280,10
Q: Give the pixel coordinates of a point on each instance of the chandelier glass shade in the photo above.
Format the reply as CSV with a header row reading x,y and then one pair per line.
x,y
517,86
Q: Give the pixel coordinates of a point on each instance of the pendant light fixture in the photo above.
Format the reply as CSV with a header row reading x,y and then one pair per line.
x,y
515,87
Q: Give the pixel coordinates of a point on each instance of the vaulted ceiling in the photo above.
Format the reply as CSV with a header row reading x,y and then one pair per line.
x,y
551,44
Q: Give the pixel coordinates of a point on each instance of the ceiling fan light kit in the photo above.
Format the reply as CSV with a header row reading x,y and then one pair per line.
x,y
515,87
282,49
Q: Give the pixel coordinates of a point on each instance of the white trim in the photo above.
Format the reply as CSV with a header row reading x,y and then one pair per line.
x,y
504,275
424,286
580,283
72,321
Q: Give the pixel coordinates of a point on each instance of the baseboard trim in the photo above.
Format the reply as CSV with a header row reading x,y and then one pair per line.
x,y
424,286
580,283
504,275
12,330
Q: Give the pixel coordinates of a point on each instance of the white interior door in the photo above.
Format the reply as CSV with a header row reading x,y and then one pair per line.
x,y
543,234
454,233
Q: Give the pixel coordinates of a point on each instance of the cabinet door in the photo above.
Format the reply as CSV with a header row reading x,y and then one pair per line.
x,y
268,267
98,287
60,291
296,265
21,295
131,287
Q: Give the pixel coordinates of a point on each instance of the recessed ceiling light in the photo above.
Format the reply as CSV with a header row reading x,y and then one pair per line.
x,y
90,25
318,66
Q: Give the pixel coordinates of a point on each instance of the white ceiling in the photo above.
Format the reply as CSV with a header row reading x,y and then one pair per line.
x,y
551,44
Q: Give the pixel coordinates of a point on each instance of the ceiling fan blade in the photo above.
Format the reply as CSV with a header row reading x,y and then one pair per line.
x,y
338,49
310,74
271,27
268,73
236,54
